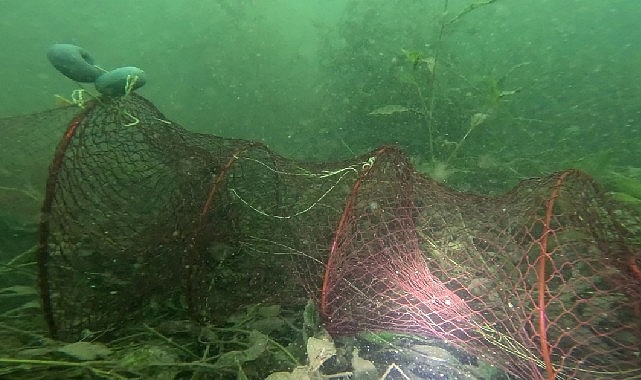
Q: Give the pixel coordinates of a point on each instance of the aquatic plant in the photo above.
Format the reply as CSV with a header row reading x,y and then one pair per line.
x,y
443,110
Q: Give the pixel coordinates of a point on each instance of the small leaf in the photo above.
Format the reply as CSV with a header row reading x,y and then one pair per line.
x,y
269,311
258,344
430,62
267,325
389,110
477,119
85,350
362,368
412,56
508,92
318,351
144,356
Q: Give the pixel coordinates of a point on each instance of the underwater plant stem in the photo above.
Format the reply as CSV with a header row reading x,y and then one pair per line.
x,y
269,339
59,363
469,9
29,252
340,375
285,351
458,145
432,86
428,115
171,342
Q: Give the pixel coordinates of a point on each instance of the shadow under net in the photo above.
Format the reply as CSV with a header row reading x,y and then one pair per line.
x,y
140,215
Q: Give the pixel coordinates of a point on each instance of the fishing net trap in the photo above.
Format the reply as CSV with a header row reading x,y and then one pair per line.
x,y
542,281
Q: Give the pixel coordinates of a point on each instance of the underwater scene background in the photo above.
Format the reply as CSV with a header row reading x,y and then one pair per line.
x,y
479,94
558,80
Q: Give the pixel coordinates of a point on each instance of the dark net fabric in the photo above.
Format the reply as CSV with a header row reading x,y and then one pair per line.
x,y
140,215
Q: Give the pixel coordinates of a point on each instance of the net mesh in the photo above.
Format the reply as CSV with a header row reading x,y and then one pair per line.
x,y
140,214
